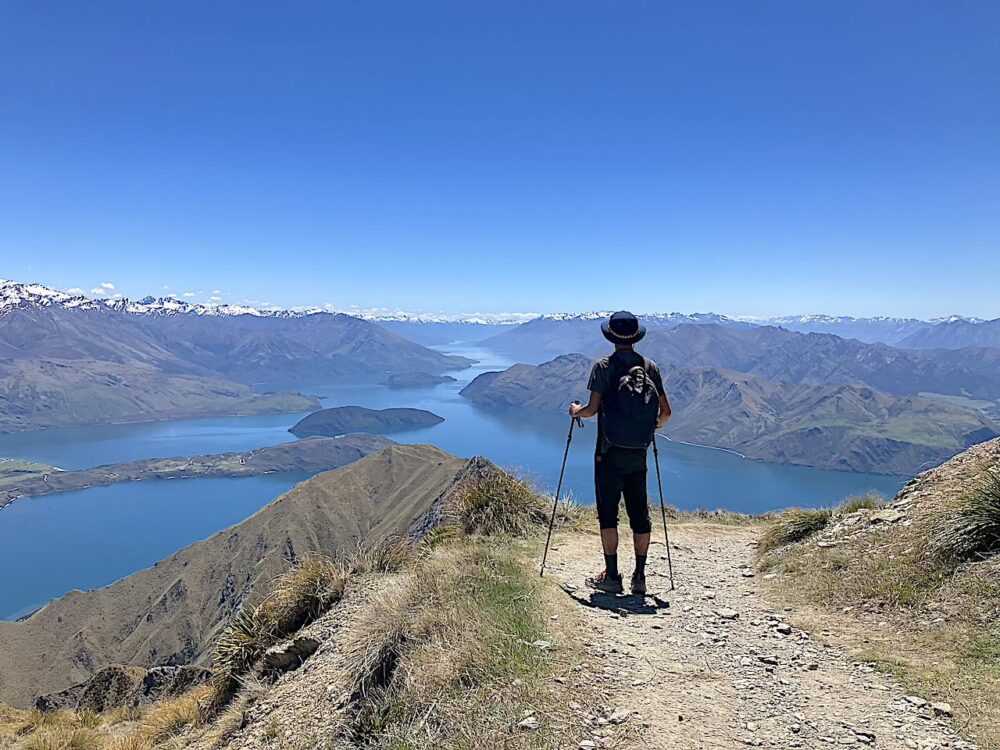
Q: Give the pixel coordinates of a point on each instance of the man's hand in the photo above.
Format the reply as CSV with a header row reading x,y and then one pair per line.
x,y
582,412
664,412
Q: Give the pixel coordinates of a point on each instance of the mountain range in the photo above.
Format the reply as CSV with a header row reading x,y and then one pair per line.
x,y
67,359
836,426
550,335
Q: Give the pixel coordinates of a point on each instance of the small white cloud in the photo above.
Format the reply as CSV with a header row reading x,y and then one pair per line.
x,y
74,290
189,294
216,291
173,296
166,286
117,295
104,288
215,298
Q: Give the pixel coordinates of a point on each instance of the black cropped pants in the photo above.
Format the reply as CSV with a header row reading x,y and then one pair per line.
x,y
621,473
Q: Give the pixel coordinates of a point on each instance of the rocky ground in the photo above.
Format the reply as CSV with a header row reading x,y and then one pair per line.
x,y
714,665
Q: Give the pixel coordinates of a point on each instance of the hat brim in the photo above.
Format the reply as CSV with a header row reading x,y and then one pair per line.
x,y
614,338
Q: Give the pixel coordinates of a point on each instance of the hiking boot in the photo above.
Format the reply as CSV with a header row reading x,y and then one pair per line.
x,y
638,583
606,583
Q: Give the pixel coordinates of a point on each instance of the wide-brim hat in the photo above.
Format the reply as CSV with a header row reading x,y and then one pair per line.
x,y
623,328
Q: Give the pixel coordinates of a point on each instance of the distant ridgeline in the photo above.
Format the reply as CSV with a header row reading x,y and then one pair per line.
x,y
67,360
778,395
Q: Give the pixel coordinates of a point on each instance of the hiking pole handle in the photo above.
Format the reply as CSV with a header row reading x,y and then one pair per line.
x,y
578,421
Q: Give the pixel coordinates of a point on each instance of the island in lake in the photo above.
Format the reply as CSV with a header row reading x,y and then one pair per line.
x,y
344,419
417,380
21,478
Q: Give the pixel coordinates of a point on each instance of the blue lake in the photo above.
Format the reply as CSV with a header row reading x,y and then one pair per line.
x,y
93,537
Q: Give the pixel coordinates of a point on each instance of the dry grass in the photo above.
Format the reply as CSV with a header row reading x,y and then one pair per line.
x,y
134,741
64,738
871,501
969,529
441,658
793,525
169,718
388,555
68,730
297,597
498,504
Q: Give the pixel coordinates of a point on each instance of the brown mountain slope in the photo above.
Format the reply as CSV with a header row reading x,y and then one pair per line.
x,y
168,614
37,393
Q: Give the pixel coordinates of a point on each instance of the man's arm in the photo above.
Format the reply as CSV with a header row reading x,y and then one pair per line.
x,y
664,411
593,406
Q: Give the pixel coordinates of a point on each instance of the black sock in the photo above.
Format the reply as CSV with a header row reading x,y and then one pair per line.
x,y
611,565
640,565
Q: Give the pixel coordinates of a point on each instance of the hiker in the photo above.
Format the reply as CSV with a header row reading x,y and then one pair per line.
x,y
627,395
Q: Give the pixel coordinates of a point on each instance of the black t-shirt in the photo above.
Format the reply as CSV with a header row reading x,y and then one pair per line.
x,y
603,381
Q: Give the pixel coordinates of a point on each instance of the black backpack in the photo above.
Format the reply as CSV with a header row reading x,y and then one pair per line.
x,y
629,412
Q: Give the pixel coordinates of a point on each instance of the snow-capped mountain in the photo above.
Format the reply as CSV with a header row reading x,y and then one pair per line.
x,y
670,320
439,328
14,294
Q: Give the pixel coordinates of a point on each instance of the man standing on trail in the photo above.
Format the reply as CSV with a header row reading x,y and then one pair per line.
x,y
627,395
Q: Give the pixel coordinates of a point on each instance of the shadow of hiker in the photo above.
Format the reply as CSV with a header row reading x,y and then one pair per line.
x,y
628,604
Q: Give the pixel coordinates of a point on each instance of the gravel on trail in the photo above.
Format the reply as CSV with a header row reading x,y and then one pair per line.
x,y
714,665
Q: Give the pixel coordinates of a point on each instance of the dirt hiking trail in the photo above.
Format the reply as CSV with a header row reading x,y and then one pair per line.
x,y
714,665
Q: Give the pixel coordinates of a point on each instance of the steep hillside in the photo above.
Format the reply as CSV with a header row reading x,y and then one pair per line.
x,y
169,614
38,393
848,427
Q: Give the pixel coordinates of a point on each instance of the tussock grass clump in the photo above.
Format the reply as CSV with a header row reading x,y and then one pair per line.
x,y
969,528
871,501
64,738
498,503
793,525
297,597
135,741
388,555
169,718
441,657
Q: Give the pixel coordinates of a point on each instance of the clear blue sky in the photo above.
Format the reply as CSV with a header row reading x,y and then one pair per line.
x,y
747,157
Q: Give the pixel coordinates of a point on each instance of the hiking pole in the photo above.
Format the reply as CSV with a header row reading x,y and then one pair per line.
x,y
573,421
663,511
